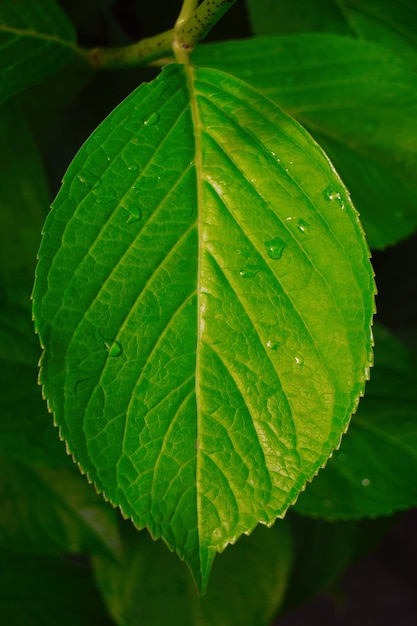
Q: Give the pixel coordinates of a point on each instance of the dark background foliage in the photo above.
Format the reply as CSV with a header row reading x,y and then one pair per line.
x,y
377,587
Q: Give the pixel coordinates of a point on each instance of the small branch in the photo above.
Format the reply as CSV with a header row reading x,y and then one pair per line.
x,y
193,24
143,52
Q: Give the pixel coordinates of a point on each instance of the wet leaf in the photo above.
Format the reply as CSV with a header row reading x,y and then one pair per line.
x,y
204,298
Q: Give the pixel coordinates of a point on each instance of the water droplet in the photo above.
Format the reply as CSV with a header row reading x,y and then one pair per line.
x,y
249,271
135,215
331,194
365,482
275,248
275,156
151,120
299,223
298,360
272,345
303,226
114,347
82,180
132,168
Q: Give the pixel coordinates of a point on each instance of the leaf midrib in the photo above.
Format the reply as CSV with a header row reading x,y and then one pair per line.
x,y
197,126
33,34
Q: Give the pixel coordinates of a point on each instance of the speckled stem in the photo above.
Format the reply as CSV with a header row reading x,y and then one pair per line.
x,y
193,24
202,21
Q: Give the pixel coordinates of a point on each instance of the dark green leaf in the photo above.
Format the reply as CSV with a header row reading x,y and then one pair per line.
x,y
48,591
24,202
276,17
374,471
204,297
46,505
389,23
150,586
48,510
26,429
360,103
36,39
322,550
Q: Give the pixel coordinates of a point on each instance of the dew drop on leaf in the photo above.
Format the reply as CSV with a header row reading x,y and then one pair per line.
x,y
300,224
113,347
151,120
275,248
135,215
249,271
303,226
331,194
272,345
365,482
298,360
133,168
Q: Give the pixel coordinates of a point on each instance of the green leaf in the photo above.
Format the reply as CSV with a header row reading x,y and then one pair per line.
x,y
374,471
204,298
247,583
357,100
36,39
48,590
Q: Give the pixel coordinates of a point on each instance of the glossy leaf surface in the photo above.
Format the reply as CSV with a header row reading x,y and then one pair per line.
x,y
204,297
36,39
357,100
246,587
373,472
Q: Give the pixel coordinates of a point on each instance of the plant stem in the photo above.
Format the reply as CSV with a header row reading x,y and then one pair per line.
x,y
143,52
202,21
187,10
193,24
180,50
